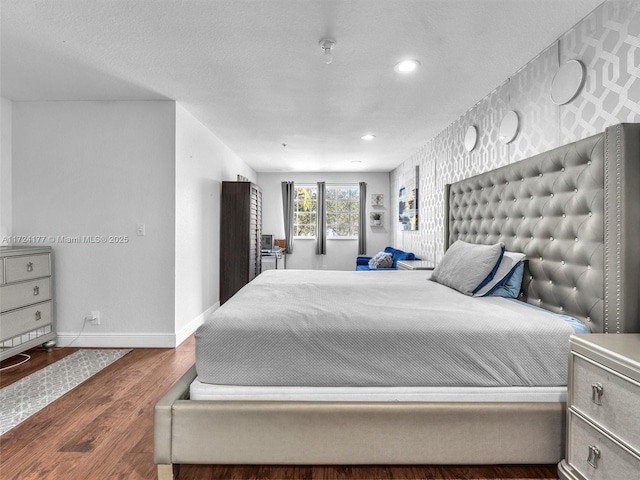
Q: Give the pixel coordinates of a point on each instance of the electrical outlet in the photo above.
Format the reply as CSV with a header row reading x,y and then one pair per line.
x,y
141,230
93,318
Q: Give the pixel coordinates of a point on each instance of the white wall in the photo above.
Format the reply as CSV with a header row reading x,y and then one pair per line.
x,y
202,163
6,107
341,254
99,168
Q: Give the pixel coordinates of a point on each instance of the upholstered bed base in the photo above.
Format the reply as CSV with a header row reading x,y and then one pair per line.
x,y
258,432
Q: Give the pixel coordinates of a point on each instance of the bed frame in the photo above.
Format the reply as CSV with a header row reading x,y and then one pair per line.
x,y
575,212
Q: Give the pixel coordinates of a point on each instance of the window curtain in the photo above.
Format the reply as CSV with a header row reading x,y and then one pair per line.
x,y
321,220
288,192
362,221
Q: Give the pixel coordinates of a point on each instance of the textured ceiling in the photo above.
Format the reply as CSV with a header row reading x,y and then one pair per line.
x,y
252,70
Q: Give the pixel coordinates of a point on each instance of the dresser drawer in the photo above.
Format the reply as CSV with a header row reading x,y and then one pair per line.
x,y
25,319
608,399
24,293
26,267
597,457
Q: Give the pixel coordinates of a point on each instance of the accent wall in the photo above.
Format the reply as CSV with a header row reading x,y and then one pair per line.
x,y
607,42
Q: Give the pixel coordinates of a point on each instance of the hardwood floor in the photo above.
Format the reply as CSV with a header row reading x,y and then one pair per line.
x,y
103,429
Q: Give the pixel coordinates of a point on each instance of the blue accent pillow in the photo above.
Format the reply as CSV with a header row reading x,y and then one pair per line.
x,y
510,286
504,273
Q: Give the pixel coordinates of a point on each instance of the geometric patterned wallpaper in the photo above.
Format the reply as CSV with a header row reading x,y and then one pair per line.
x,y
608,43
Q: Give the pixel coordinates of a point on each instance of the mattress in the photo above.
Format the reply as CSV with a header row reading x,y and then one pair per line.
x,y
328,328
207,391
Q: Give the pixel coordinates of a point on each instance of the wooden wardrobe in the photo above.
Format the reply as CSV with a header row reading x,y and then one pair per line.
x,y
240,229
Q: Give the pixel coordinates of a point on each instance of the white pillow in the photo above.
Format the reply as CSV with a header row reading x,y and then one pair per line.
x,y
466,265
507,264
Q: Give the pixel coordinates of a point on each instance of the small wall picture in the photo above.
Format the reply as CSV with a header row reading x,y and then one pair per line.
x,y
376,218
377,200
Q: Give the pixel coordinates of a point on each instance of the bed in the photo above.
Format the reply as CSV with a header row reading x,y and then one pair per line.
x,y
574,211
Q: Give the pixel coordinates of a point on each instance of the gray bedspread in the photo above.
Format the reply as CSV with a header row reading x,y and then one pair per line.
x,y
397,328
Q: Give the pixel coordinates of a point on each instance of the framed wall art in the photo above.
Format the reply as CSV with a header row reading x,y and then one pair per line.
x,y
377,199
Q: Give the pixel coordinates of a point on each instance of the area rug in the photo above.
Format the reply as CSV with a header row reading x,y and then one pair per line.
x,y
30,394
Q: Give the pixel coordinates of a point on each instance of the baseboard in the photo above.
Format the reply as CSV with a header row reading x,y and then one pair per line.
x,y
134,340
192,326
116,340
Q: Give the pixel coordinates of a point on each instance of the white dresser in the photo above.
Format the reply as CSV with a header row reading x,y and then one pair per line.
x,y
26,310
603,414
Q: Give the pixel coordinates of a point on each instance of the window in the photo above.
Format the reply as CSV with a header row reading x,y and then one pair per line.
x,y
343,205
305,205
343,210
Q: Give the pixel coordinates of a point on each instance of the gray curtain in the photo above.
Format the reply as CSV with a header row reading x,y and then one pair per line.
x,y
321,220
288,192
362,224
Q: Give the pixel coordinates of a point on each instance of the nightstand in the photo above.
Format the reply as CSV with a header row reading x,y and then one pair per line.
x,y
603,408
415,265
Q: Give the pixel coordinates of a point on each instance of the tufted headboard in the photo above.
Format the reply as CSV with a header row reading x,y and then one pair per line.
x,y
575,212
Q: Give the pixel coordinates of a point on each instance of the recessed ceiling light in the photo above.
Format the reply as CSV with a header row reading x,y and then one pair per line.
x,y
406,66
356,161
368,136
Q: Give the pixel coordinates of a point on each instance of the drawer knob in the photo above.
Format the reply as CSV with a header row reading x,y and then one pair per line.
x,y
36,290
38,315
29,267
594,456
596,393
